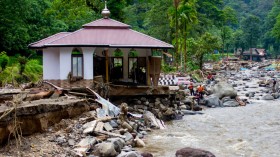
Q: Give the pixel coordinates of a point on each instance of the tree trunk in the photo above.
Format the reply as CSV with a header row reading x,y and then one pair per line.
x,y
201,62
176,36
185,44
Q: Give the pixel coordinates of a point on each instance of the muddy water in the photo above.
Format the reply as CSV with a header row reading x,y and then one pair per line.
x,y
252,131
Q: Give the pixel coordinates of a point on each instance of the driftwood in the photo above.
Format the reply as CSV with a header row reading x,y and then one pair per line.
x,y
104,119
54,86
78,94
40,95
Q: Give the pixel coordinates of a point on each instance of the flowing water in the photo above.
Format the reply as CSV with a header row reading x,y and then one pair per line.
x,y
249,131
253,131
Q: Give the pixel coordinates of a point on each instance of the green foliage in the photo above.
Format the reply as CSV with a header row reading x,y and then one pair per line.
x,y
33,70
167,68
207,43
156,53
191,65
276,28
251,30
4,60
133,53
10,75
118,53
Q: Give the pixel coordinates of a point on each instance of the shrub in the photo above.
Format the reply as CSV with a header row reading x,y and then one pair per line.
x,y
4,60
10,75
33,70
167,68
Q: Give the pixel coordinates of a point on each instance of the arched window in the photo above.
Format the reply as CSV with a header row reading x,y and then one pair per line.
x,y
77,63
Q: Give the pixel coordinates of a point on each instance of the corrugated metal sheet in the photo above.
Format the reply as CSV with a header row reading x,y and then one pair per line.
x,y
106,23
103,32
49,39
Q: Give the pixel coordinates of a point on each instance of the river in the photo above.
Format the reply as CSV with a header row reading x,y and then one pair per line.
x,y
250,131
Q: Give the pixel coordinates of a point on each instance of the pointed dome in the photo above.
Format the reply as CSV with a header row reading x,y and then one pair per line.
x,y
105,12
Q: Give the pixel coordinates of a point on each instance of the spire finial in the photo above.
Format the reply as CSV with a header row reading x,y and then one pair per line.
x,y
105,12
105,4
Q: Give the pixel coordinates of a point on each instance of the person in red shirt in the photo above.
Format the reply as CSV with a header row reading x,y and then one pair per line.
x,y
191,88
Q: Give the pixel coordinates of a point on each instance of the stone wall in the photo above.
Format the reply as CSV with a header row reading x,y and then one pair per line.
x,y
67,84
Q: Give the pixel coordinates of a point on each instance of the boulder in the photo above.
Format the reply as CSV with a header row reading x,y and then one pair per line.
x,y
118,143
128,136
213,101
276,95
187,101
145,154
267,97
105,149
231,103
223,89
139,142
192,152
129,154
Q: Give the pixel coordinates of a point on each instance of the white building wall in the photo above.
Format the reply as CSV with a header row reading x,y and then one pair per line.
x,y
65,62
51,64
88,62
57,61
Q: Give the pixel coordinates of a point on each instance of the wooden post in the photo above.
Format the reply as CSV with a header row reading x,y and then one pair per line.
x,y
107,65
148,72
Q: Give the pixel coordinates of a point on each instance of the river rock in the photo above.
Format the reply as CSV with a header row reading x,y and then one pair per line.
x,y
145,154
118,143
192,152
267,97
139,142
187,101
128,136
213,101
276,95
223,89
105,149
129,154
231,103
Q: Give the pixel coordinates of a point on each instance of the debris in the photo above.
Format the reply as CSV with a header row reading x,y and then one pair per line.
x,y
110,109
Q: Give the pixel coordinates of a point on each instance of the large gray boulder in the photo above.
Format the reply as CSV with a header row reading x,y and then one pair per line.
x,y
105,149
192,152
118,143
276,95
268,97
223,89
231,103
213,101
130,154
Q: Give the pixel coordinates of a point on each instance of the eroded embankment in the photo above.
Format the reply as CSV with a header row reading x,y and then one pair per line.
x,y
37,116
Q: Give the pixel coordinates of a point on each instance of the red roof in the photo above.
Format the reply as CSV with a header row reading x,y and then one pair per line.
x,y
103,33
49,39
106,23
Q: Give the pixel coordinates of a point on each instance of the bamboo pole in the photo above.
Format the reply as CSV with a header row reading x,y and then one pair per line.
x,y
107,65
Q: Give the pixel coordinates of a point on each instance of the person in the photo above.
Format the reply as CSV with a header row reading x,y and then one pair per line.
x,y
200,90
210,77
191,88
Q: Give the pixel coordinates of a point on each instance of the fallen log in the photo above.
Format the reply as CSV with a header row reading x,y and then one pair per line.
x,y
40,95
54,86
78,94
